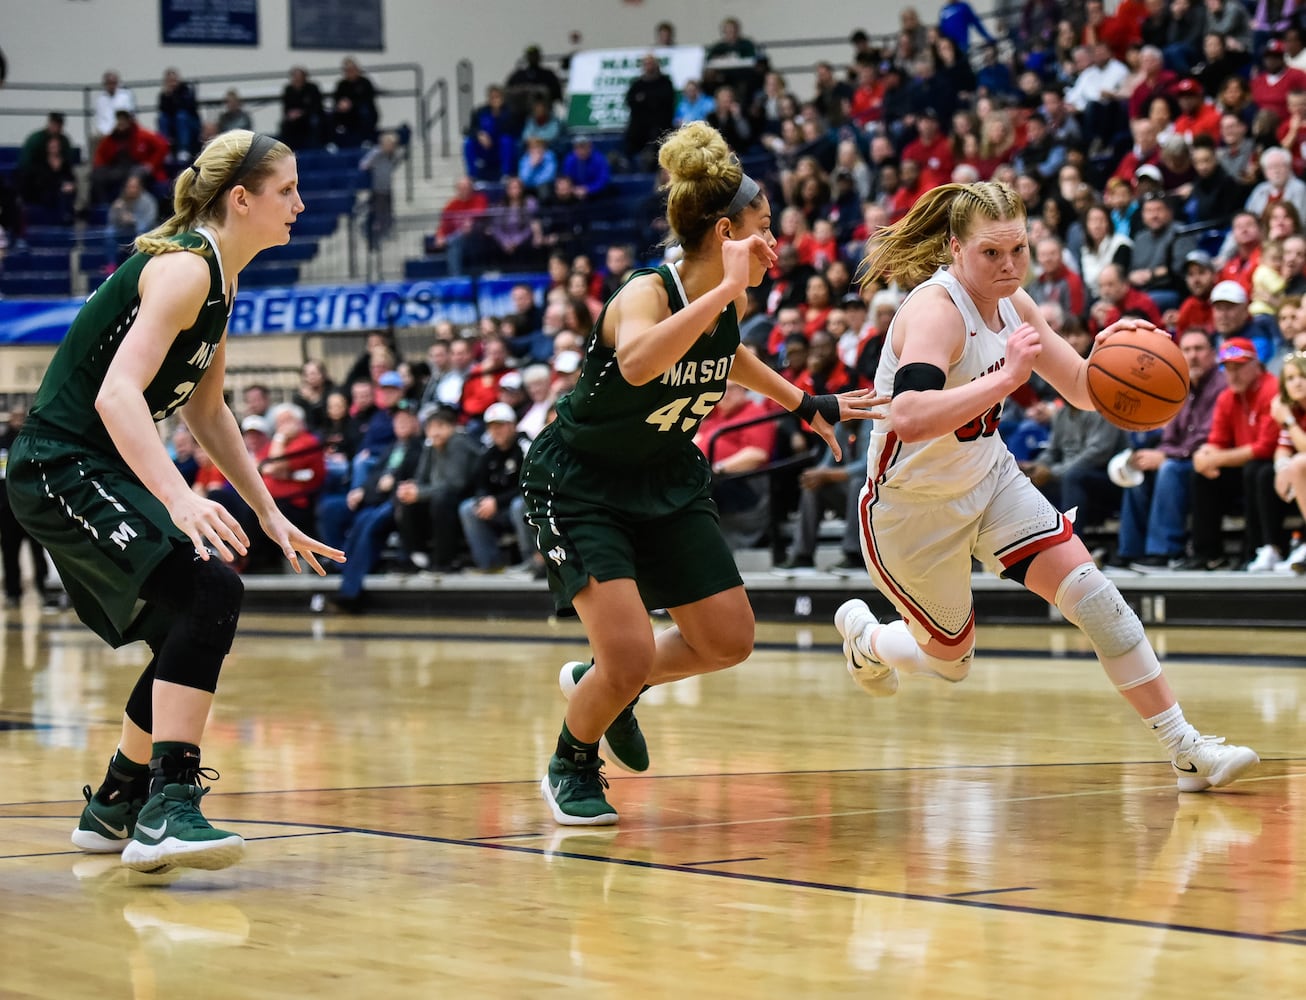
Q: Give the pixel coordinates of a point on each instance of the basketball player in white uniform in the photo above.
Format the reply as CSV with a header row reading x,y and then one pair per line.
x,y
943,488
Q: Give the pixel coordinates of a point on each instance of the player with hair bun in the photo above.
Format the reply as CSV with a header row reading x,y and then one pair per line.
x,y
942,489
619,495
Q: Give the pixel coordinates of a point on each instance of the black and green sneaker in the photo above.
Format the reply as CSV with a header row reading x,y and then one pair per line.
x,y
574,793
623,742
106,827
171,832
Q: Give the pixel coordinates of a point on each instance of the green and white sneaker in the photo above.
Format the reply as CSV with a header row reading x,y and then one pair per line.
x,y
623,742
106,827
171,832
574,793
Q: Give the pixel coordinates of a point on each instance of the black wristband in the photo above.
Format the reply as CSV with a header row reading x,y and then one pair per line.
x,y
826,405
806,408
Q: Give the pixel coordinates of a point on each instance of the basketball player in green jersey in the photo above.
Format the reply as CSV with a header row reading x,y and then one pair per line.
x,y
619,495
89,478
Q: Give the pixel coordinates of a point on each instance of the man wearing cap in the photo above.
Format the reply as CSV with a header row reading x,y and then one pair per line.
x,y
566,372
1271,83
1239,445
496,504
1154,514
1195,311
1279,184
1232,319
1197,116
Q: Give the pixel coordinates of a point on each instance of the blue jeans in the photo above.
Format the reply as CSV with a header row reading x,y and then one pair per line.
x,y
1154,515
483,535
334,519
363,546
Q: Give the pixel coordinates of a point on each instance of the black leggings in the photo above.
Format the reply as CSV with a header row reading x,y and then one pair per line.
x,y
204,599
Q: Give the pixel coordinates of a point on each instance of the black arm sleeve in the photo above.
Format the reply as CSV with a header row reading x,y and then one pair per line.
x,y
918,377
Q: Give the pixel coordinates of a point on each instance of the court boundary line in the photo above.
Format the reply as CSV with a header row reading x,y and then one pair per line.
x,y
1276,661
534,782
1281,937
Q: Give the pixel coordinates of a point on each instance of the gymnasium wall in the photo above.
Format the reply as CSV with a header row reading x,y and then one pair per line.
x,y
73,41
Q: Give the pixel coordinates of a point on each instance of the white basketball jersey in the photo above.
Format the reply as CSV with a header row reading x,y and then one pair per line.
x,y
953,464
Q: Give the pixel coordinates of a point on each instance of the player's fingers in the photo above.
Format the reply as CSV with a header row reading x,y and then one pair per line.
x,y
231,529
311,559
197,540
212,536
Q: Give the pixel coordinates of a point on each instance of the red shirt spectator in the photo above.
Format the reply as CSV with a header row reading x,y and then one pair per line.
x,y
932,150
130,141
758,440
481,387
462,210
1272,83
1243,418
295,480
1195,312
1197,115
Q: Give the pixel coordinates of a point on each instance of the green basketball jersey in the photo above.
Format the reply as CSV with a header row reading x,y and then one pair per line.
x,y
606,416
65,403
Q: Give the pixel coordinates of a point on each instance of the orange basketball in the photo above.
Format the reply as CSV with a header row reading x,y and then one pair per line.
x,y
1138,379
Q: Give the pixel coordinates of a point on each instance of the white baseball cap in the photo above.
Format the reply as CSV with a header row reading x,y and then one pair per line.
x,y
500,413
1229,291
1120,472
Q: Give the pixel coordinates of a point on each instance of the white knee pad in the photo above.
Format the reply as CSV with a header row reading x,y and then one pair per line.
x,y
1093,604
953,671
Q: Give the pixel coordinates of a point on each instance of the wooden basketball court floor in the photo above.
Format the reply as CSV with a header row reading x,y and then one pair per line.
x,y
1015,836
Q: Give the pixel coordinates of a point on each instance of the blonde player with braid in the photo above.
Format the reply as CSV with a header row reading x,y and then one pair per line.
x,y
142,556
941,490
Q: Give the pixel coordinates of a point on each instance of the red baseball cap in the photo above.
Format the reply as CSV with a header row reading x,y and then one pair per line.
x,y
1188,86
1236,350
1275,45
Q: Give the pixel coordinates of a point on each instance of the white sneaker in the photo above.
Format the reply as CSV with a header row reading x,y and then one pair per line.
x,y
854,622
1203,762
1296,561
1267,558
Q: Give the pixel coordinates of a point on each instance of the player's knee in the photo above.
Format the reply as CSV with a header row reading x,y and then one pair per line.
x,y
1094,605
728,645
952,670
215,605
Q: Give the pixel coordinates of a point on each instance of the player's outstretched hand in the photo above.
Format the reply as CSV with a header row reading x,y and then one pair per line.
x,y
209,524
856,404
293,543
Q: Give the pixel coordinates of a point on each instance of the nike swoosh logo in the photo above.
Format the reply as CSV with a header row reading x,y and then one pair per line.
x,y
1190,769
213,302
156,833
112,829
555,789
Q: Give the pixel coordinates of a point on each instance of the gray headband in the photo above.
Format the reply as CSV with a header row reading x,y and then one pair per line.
x,y
748,190
259,147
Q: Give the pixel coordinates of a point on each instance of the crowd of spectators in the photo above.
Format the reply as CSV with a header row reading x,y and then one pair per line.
x,y
124,151
1157,149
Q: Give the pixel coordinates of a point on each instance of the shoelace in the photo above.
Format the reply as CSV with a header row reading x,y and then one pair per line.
x,y
197,776
590,774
